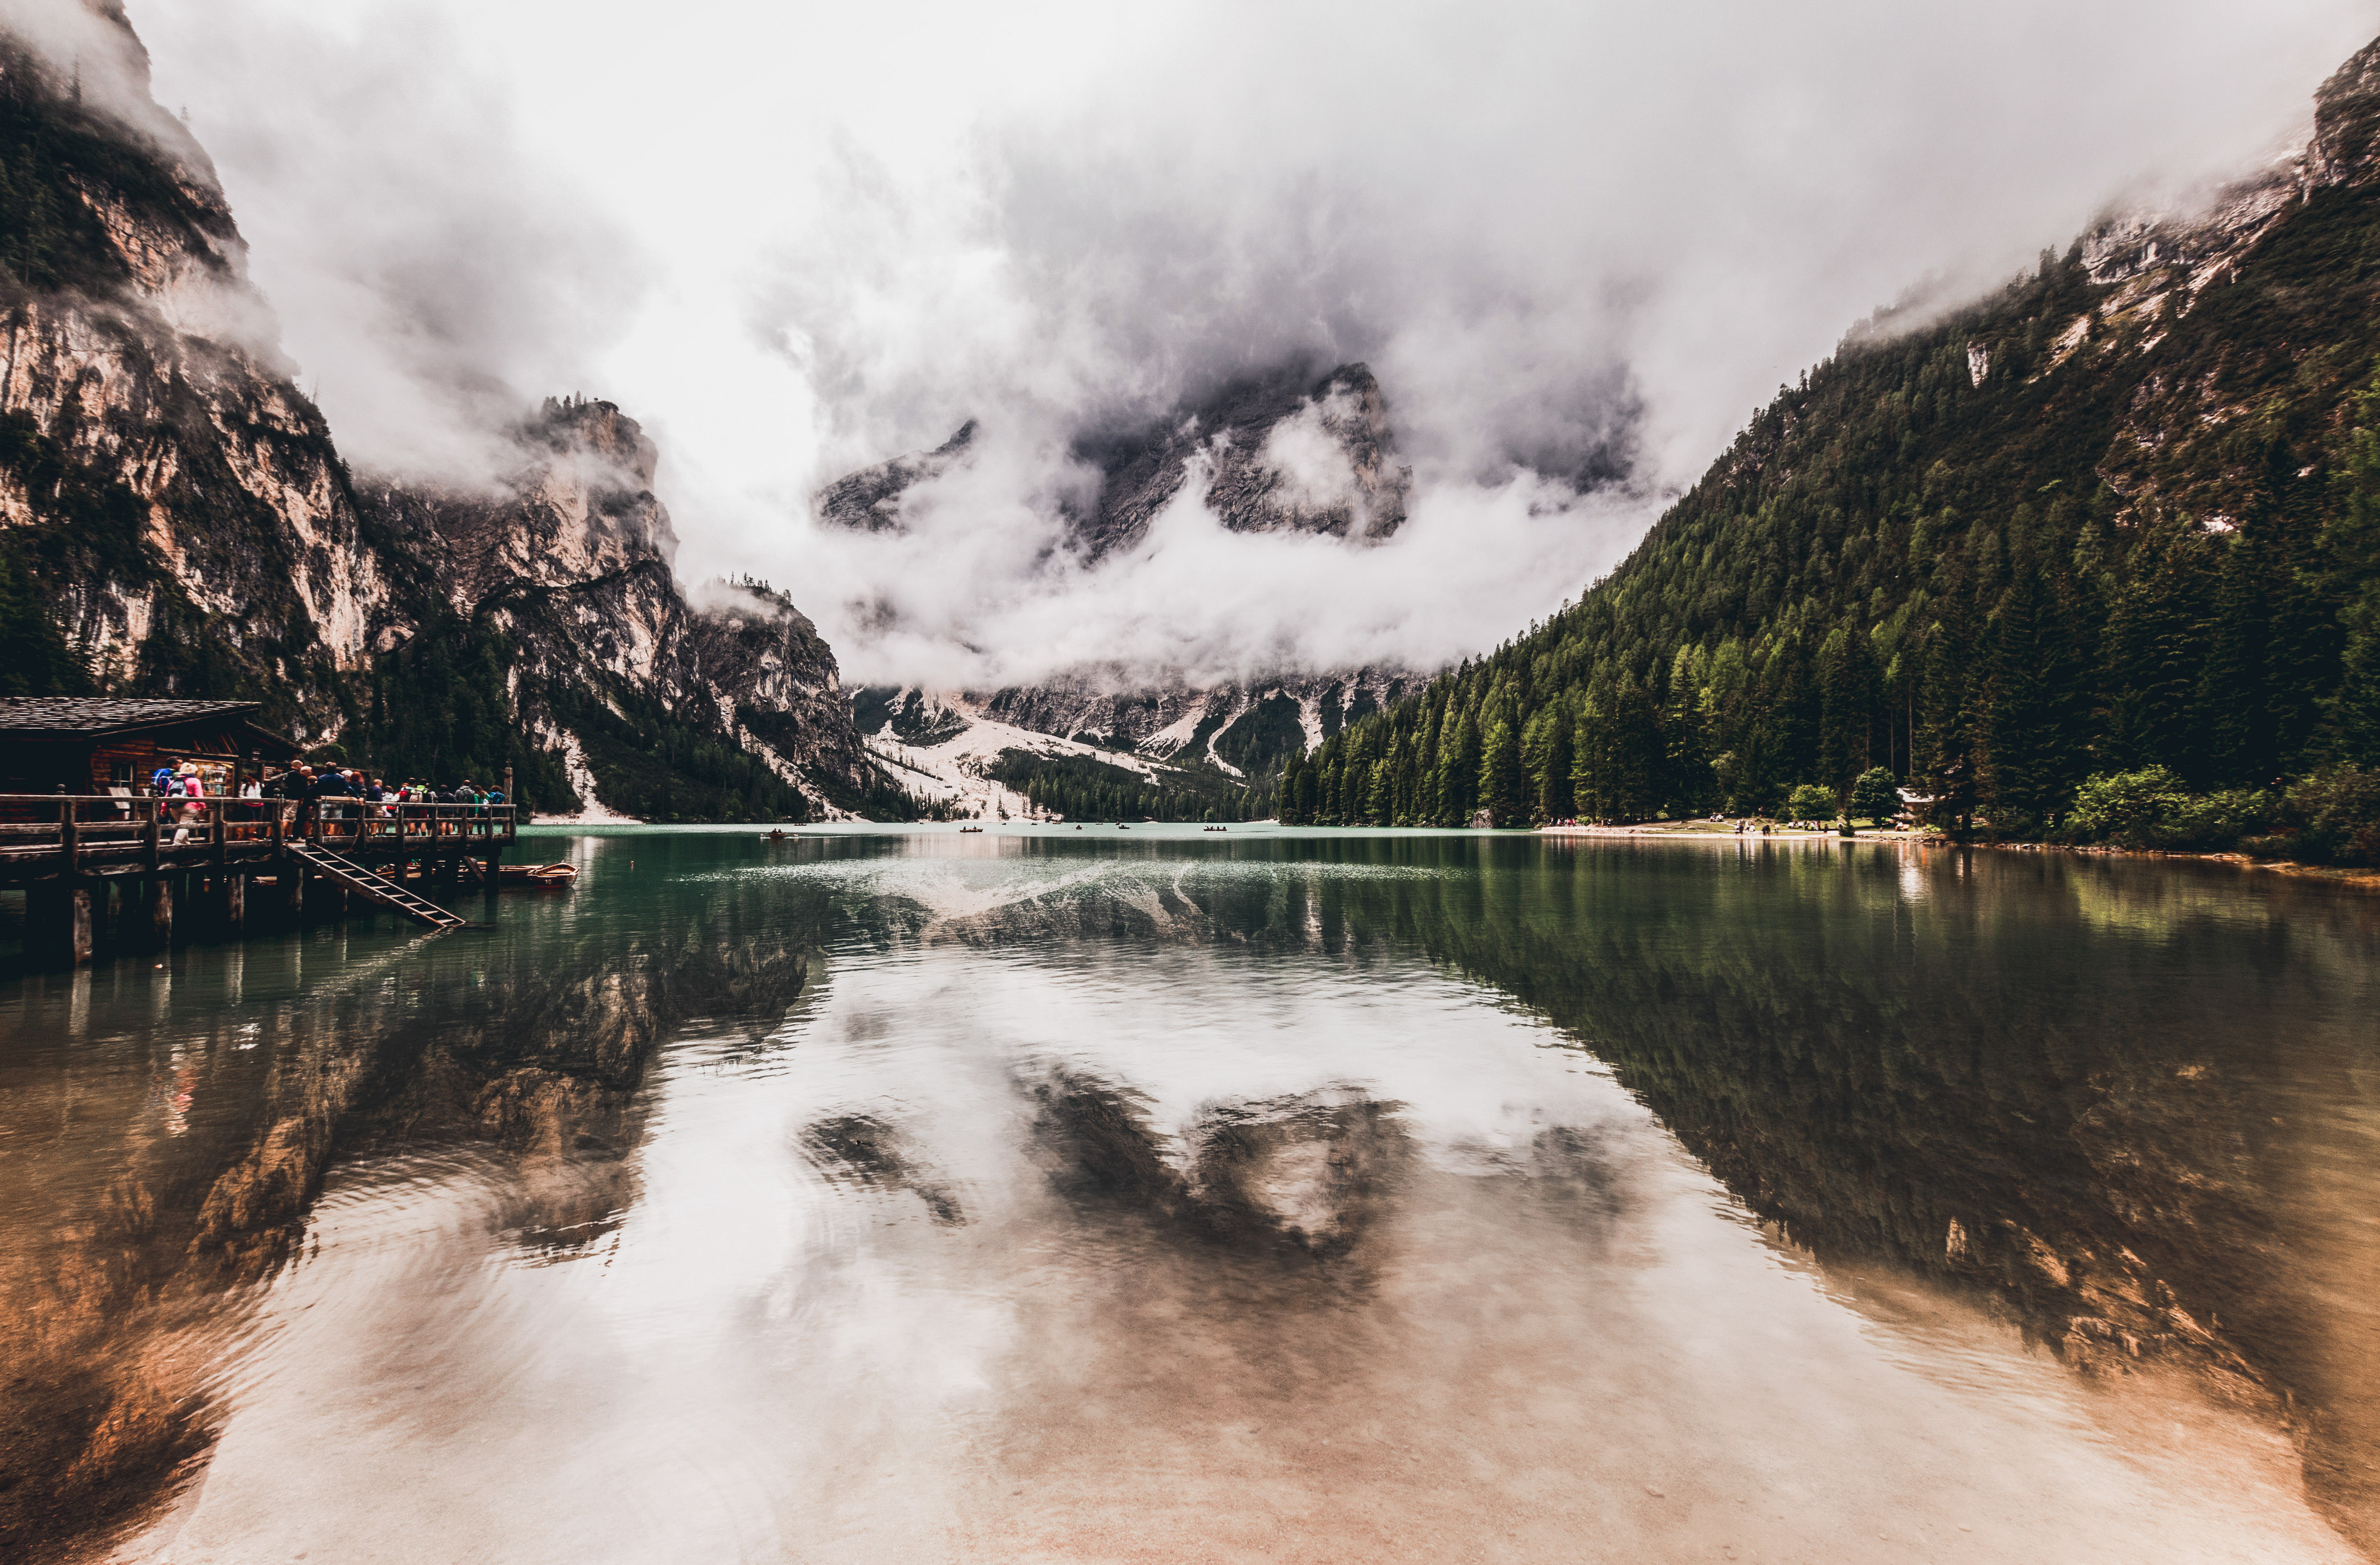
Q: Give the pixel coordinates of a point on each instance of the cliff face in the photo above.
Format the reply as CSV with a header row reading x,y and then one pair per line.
x,y
178,500
869,499
567,564
184,525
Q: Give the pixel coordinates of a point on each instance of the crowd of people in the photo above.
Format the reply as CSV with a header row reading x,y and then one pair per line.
x,y
330,794
333,783
310,784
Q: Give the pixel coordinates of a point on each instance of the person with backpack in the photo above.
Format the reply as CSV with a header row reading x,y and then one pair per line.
x,y
332,789
185,785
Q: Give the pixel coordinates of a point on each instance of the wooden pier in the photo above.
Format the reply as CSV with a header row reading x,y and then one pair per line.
x,y
71,854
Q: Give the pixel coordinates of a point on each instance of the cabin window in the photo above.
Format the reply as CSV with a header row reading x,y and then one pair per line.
x,y
119,771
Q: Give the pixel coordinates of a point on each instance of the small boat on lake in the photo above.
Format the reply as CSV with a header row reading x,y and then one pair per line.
x,y
545,876
964,829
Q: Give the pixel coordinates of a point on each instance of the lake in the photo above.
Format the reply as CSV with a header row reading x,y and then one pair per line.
x,y
1163,1195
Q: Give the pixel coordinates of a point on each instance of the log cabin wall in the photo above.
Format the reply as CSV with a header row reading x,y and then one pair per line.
x,y
99,746
129,760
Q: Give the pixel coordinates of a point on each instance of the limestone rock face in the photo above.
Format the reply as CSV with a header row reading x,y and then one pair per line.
x,y
176,495
185,511
186,500
569,560
2345,144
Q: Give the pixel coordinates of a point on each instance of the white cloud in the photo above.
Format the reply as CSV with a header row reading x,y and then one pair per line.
x,y
792,238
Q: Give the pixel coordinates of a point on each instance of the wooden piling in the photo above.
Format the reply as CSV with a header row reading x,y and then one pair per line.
x,y
58,919
154,920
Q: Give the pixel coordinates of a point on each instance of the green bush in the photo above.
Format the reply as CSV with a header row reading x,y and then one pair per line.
x,y
1875,796
2330,817
2154,808
1811,801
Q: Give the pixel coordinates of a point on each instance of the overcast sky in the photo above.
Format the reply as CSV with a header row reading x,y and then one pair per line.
x,y
792,238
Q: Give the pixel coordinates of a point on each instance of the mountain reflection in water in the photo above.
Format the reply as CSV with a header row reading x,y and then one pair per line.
x,y
1319,1196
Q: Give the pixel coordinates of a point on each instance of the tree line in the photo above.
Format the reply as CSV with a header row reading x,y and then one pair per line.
x,y
1079,788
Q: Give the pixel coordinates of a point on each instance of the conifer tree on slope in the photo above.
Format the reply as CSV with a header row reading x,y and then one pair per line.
x,y
1847,692
2036,734
1503,784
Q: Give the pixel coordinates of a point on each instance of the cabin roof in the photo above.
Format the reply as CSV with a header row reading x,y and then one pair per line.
x,y
71,719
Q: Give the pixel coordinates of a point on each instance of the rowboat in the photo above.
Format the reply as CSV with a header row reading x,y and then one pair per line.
x,y
549,876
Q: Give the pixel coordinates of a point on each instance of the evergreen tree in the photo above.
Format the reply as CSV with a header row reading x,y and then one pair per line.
x,y
2034,751
1458,772
1622,749
2232,720
34,657
1545,754
1787,746
1503,784
1848,697
2153,653
2356,713
1874,797
1947,742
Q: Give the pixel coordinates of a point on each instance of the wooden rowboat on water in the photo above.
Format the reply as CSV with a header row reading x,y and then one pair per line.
x,y
546,876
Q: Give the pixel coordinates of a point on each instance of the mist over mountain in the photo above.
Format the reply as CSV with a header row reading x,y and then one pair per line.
x,y
1573,246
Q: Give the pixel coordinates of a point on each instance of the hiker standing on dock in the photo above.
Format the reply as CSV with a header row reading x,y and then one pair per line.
x,y
332,788
187,786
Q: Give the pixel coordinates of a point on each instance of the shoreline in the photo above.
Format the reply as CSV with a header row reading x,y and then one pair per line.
x,y
2361,880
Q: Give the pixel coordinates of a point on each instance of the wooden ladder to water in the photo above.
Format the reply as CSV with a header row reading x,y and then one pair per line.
x,y
379,889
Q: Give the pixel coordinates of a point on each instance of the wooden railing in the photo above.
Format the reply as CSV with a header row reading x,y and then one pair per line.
x,y
115,827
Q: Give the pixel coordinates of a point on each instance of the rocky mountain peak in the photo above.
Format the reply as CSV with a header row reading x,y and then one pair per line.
x,y
869,499
1276,452
596,434
116,191
2347,122
579,508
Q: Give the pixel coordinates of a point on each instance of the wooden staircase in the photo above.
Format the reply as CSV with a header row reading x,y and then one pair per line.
x,y
364,884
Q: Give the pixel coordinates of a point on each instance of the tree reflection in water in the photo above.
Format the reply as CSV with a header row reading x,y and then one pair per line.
x,y
136,1239
2135,1106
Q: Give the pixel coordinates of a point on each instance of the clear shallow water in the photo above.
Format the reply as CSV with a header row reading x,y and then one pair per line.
x,y
1085,1195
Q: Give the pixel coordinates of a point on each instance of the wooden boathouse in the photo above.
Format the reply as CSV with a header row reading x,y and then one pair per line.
x,y
94,849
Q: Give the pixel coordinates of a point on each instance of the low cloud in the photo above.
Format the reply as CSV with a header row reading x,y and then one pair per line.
x,y
434,279
972,593
1576,243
